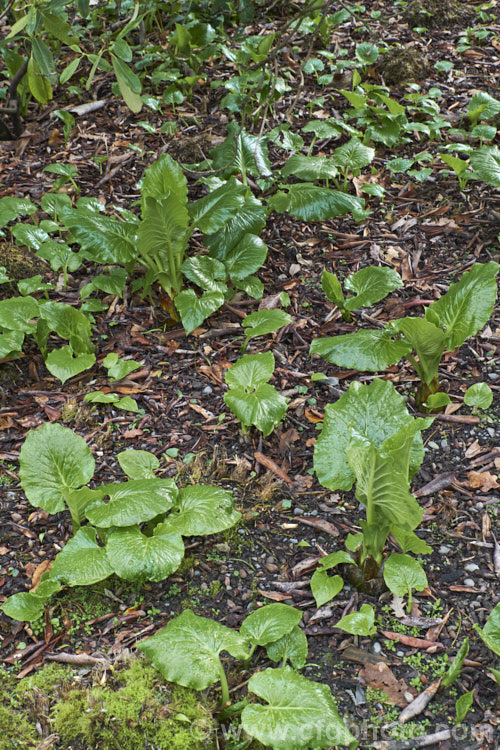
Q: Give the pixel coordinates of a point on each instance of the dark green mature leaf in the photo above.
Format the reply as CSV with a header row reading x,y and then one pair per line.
x,y
12,207
367,349
206,272
310,167
64,364
250,219
375,411
292,646
486,164
194,310
370,285
246,257
241,152
53,461
69,323
428,340
29,605
467,305
202,509
81,562
16,314
187,650
135,556
163,177
132,502
298,715
269,624
102,239
359,623
212,212
311,203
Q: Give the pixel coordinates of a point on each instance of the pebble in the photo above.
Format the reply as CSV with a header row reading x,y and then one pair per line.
x,y
479,506
443,550
400,653
434,446
491,431
16,517
376,648
493,375
271,567
469,582
243,573
471,567
207,390
298,511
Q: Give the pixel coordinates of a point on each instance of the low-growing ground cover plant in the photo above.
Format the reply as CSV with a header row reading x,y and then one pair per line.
x,y
136,533
370,285
460,313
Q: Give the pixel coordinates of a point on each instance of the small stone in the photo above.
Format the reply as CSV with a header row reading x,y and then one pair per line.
x,y
443,550
479,506
376,648
444,443
493,375
491,431
271,568
471,567
243,573
298,511
469,582
207,390
434,446
16,517
313,513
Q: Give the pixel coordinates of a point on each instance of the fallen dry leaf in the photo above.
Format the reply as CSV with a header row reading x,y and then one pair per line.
x,y
408,640
272,466
379,676
483,479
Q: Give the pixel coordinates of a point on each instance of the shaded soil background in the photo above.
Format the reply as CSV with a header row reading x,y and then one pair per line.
x,y
430,232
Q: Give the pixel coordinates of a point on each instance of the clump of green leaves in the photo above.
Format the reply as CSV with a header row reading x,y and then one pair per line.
x,y
370,285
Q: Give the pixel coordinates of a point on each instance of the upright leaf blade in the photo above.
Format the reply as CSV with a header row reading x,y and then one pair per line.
x,y
366,350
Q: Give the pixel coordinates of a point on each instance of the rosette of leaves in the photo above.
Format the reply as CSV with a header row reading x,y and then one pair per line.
x,y
250,397
457,315
134,528
370,285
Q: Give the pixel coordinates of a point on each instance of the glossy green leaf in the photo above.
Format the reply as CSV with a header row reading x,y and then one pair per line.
x,y
463,705
359,623
187,650
427,340
138,464
467,305
250,219
112,282
367,349
269,624
53,460
479,395
455,668
332,288
163,177
311,203
136,557
59,255
370,285
241,152
81,562
29,235
310,168
246,257
251,285
263,322
11,343
64,364
29,606
353,155
11,208
375,411
325,587
98,397
16,314
263,408
482,106
403,573
33,284
251,370
292,646
103,239
298,715
69,323
132,502
194,310
490,634
213,211
202,509
119,368
208,273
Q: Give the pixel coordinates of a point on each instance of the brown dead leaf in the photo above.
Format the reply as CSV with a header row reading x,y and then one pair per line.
x,y
314,416
200,410
4,550
38,572
473,449
319,523
132,433
6,422
272,466
484,480
276,596
380,677
408,640
215,373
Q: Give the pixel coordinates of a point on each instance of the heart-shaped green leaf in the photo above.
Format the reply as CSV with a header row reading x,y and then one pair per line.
x,y
132,502
64,364
262,322
299,714
325,587
69,323
81,562
12,207
403,573
359,623
202,509
270,623
367,349
187,650
370,285
246,257
479,395
251,370
119,368
194,310
53,461
30,235
292,647
263,408
59,255
310,167
29,606
16,314
353,155
135,556
11,342
138,464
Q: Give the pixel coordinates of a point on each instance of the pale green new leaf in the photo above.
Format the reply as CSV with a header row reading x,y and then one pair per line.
x,y
292,646
367,349
308,202
263,407
325,587
119,368
16,314
138,464
262,322
353,155
187,650
29,605
136,557
81,562
467,305
403,573
370,285
212,212
375,411
103,239
246,257
332,288
53,461
410,542
359,623
132,502
64,364
490,634
163,177
479,395
463,705
251,370
455,667
202,509
194,310
270,623
298,715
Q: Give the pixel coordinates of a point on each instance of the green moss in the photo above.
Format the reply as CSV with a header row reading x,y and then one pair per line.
x,y
215,587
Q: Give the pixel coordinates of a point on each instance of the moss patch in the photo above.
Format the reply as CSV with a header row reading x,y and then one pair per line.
x,y
21,263
127,709
403,64
437,13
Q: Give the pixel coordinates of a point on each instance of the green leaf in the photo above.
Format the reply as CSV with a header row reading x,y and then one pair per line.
x,y
291,646
488,106
11,343
250,219
138,464
269,624
251,370
16,314
59,255
64,364
53,461
136,557
310,167
263,408
29,606
375,411
132,502
251,285
39,84
119,368
128,83
69,323
11,208
194,310
128,404
485,162
455,668
122,50
367,349
298,715
353,155
310,203
370,285
334,559
213,211
366,52
467,305
33,284
463,705
332,288
359,623
428,340
403,573
58,27
103,239
206,272
30,235
262,322
325,587
98,397
490,634
187,650
112,282
437,400
246,257
410,542
242,153
162,178
81,562
479,395
202,509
